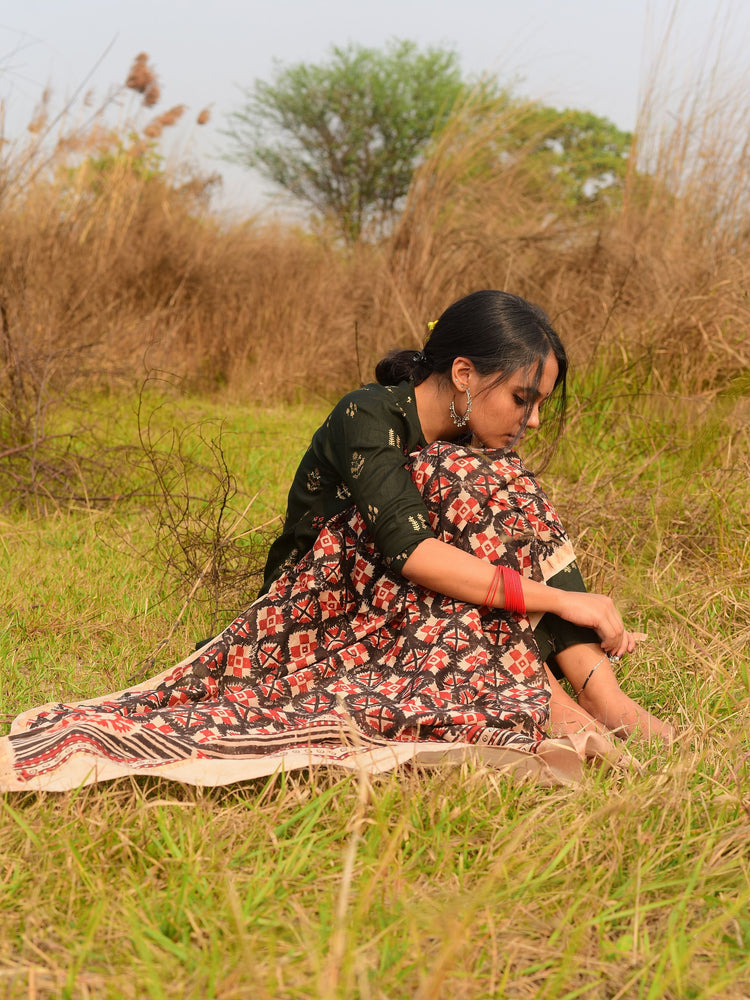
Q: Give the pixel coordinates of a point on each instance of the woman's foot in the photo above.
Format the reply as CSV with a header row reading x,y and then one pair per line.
x,y
566,716
602,699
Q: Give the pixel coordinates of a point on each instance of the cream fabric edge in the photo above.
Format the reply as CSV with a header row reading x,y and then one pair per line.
x,y
557,762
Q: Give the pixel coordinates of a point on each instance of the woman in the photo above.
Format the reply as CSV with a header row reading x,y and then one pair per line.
x,y
490,365
395,620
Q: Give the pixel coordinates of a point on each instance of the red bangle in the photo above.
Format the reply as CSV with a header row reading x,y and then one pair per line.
x,y
492,592
513,601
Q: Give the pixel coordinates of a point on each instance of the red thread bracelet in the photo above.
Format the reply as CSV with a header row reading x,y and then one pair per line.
x,y
513,601
492,592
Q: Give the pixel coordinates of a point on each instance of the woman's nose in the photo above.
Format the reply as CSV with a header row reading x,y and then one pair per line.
x,y
533,420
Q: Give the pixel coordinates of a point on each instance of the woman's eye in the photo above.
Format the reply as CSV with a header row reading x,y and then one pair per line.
x,y
519,400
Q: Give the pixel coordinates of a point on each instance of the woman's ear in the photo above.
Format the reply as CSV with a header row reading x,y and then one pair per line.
x,y
462,371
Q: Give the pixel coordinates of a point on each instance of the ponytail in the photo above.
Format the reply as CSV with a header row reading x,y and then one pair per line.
x,y
403,366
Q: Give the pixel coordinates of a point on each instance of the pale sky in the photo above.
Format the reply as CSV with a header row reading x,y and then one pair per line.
x,y
588,54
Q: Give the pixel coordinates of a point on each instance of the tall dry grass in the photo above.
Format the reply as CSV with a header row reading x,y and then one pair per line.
x,y
110,267
661,278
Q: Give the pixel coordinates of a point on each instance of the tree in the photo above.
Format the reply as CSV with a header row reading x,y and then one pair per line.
x,y
344,136
575,156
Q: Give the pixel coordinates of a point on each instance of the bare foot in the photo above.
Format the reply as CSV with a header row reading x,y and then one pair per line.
x,y
601,697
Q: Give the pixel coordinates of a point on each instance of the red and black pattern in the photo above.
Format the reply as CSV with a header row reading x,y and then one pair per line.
x,y
342,651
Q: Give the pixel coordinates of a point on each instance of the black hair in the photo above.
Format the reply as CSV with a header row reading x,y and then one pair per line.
x,y
498,332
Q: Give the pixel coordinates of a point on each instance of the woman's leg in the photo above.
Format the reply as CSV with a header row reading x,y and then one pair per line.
x,y
601,697
565,714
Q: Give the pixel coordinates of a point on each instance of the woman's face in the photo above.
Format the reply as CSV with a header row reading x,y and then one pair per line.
x,y
498,416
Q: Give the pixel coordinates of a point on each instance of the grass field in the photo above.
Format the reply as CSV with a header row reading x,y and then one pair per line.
x,y
133,523
455,883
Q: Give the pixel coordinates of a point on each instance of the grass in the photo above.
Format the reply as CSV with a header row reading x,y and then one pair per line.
x,y
461,884
105,585
455,883
117,554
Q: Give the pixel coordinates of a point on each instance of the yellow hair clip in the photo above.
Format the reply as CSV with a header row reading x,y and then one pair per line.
x,y
431,325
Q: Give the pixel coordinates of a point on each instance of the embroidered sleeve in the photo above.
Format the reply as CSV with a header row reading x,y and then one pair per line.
x,y
369,438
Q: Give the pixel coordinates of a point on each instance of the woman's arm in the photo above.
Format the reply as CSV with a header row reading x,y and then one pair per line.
x,y
449,570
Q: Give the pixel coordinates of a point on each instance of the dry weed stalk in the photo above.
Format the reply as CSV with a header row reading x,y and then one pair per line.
x,y
200,539
142,79
155,128
41,115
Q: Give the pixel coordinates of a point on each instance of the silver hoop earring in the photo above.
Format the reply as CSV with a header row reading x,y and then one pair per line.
x,y
457,420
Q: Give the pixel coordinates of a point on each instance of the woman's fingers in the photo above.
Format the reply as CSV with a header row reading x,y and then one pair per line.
x,y
630,642
598,611
634,638
612,629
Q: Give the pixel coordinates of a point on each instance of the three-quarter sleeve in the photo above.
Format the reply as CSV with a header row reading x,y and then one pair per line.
x,y
360,455
368,443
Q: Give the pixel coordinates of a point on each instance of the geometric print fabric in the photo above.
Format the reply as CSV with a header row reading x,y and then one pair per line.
x,y
343,653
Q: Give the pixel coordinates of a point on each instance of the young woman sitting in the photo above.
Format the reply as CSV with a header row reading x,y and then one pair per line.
x,y
417,605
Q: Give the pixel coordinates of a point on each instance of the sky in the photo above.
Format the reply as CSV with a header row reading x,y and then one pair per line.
x,y
588,54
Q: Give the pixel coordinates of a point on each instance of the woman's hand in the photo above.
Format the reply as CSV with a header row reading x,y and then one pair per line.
x,y
598,611
449,570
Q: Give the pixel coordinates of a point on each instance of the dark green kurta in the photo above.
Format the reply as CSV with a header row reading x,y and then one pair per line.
x,y
359,456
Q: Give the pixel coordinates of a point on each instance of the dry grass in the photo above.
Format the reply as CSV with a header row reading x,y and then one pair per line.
x,y
109,267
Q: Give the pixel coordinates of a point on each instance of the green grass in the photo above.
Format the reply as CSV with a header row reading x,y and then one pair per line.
x,y
443,884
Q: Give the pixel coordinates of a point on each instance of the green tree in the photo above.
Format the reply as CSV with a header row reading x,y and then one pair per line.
x,y
344,136
576,156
